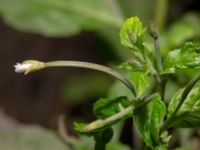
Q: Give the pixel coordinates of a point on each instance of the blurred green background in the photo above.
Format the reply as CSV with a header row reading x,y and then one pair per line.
x,y
86,30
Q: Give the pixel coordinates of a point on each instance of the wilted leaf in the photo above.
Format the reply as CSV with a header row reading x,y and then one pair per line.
x,y
58,17
148,120
187,56
188,115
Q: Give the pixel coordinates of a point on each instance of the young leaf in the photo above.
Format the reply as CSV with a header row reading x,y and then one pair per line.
x,y
148,121
188,115
187,56
58,17
140,79
104,108
78,127
131,33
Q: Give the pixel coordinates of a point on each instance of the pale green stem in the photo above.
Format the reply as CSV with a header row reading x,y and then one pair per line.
x,y
184,95
161,13
93,66
98,124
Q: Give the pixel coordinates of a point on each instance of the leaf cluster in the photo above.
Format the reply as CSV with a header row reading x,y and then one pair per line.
x,y
153,116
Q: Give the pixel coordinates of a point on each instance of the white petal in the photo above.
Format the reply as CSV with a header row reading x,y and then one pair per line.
x,y
19,68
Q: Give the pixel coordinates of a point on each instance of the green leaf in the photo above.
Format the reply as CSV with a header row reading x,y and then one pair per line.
x,y
131,33
104,108
148,120
140,79
103,138
79,127
188,116
58,17
187,56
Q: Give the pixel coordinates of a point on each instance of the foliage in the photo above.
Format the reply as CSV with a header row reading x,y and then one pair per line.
x,y
149,119
153,117
148,108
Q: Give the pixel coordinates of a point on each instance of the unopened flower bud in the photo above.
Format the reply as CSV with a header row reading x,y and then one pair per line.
x,y
29,66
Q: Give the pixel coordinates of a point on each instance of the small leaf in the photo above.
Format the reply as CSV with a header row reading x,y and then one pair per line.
x,y
104,108
188,116
140,79
148,120
187,56
131,33
78,127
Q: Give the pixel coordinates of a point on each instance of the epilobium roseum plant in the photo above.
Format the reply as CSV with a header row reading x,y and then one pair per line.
x,y
152,116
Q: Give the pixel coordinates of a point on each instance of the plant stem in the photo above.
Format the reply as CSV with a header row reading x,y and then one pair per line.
x,y
161,13
98,124
155,35
161,81
158,55
184,95
93,66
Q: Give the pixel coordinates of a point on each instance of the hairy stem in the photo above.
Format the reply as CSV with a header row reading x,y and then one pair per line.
x,y
93,66
184,95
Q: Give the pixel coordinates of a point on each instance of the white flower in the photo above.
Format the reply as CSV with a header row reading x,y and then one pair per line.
x,y
20,68
28,66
